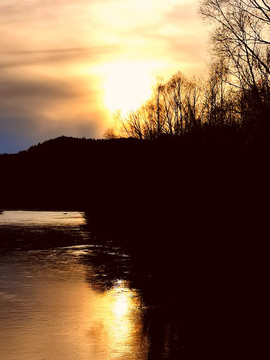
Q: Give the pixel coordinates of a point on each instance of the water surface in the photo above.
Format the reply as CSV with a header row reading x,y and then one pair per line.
x,y
72,299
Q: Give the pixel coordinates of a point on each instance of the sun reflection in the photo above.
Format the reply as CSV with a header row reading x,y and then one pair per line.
x,y
121,323
124,321
122,301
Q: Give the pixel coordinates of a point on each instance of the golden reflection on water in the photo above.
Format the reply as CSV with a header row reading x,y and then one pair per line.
x,y
42,218
50,309
121,324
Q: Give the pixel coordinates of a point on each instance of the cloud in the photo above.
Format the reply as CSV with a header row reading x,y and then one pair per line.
x,y
18,128
36,110
94,50
13,11
53,56
22,127
24,88
185,12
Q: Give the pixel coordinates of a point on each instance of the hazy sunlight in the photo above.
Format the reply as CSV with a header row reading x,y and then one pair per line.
x,y
127,85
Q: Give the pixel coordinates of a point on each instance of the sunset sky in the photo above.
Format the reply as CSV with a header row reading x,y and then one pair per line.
x,y
66,65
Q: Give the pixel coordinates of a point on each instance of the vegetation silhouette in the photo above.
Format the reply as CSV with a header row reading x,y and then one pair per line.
x,y
182,185
107,264
190,211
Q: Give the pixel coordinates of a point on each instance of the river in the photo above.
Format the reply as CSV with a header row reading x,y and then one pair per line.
x,y
63,295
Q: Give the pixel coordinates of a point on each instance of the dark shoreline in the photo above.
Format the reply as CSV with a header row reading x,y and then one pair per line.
x,y
191,214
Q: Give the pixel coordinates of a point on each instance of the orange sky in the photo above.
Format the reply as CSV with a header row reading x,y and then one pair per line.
x,y
65,65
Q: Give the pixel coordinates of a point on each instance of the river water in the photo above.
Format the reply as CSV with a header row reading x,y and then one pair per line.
x,y
65,296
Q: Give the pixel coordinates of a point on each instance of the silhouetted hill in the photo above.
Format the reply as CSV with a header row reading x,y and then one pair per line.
x,y
57,173
75,173
200,181
192,212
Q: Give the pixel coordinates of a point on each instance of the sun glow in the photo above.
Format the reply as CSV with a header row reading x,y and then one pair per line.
x,y
127,85
116,323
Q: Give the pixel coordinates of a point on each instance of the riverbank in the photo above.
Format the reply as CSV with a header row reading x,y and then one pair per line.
x,y
192,215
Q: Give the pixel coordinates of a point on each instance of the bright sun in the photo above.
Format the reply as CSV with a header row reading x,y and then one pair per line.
x,y
127,85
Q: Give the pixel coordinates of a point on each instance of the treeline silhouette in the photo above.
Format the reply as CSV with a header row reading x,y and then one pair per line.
x,y
235,92
183,186
219,103
191,211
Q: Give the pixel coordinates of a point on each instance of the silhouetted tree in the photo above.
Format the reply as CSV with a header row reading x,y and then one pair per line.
x,y
241,36
240,42
174,108
220,98
110,134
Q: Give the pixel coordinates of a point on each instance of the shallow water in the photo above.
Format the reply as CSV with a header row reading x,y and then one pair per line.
x,y
42,218
70,300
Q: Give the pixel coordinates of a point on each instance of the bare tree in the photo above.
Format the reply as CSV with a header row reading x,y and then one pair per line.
x,y
176,87
132,125
110,134
174,108
194,104
220,98
241,36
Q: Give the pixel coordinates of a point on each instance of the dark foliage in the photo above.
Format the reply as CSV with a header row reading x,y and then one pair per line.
x,y
192,212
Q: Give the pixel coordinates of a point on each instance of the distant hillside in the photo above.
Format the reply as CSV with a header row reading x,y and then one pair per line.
x,y
73,172
58,172
192,212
